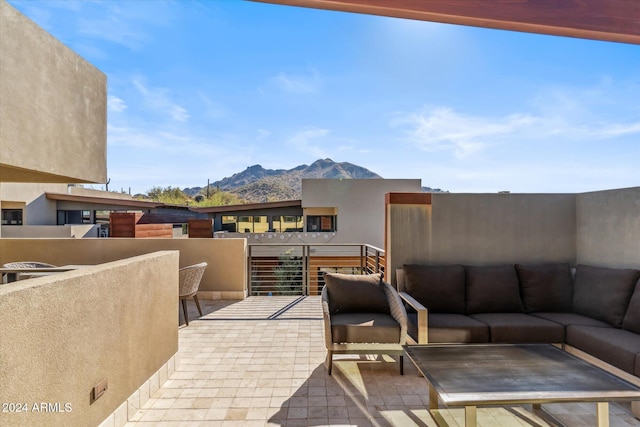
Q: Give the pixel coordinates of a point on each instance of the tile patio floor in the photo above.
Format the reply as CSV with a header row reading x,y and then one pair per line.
x,y
260,362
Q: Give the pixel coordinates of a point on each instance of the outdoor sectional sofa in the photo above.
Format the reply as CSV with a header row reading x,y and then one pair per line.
x,y
593,309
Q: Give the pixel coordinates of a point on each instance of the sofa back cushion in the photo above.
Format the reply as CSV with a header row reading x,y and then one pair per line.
x,y
603,293
631,321
545,287
440,288
356,293
492,289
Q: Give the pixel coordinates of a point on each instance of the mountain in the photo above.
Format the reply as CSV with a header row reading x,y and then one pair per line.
x,y
257,184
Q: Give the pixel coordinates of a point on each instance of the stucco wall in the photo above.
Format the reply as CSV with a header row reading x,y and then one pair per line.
x,y
38,209
608,225
359,202
225,276
49,231
483,229
53,110
62,334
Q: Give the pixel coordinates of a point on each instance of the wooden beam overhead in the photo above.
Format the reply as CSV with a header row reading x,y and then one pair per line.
x,y
609,20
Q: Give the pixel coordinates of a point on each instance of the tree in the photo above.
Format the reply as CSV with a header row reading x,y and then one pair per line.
x,y
288,274
169,195
175,196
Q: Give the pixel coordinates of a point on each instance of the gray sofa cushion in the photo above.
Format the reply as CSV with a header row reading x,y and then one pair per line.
x,y
439,288
567,319
545,287
354,293
614,346
364,328
631,321
456,328
637,370
520,328
492,289
603,293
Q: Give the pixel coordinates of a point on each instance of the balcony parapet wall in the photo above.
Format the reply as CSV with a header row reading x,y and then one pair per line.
x,y
63,334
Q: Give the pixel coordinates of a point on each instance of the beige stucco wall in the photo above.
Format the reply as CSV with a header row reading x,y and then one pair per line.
x,y
62,334
608,224
225,276
483,229
49,231
359,205
52,107
38,209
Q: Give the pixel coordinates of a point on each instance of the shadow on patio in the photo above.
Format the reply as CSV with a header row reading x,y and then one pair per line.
x,y
260,362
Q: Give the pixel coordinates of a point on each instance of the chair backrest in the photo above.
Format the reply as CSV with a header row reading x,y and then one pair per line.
x,y
28,264
190,278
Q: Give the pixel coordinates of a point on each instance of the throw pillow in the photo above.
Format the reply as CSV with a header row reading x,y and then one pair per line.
x,y
440,288
492,289
603,293
545,287
356,293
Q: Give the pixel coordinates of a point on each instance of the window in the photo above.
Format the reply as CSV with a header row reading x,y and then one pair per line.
x,y
11,216
245,224
260,224
322,223
75,217
291,223
229,223
286,223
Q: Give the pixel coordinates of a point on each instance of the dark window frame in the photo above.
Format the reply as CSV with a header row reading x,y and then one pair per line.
x,y
8,215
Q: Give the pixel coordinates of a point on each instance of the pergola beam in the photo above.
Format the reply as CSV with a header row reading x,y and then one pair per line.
x,y
609,20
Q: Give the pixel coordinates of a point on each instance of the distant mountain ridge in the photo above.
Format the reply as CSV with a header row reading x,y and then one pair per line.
x,y
257,184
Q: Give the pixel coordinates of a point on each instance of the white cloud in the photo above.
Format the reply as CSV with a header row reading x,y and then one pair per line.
x,y
297,83
307,139
131,137
116,104
441,128
616,130
560,118
129,24
262,134
157,99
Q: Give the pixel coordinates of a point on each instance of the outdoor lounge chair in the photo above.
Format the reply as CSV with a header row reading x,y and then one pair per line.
x,y
362,315
189,282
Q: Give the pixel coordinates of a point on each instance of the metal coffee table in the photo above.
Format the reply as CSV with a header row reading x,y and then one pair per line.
x,y
473,375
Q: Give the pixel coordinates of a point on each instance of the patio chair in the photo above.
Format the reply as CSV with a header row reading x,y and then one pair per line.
x,y
362,315
189,282
27,264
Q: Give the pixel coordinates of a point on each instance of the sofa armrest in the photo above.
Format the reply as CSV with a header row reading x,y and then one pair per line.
x,y
326,317
423,315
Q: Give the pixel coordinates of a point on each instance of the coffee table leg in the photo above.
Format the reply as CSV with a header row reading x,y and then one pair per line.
x,y
603,414
433,397
470,416
548,417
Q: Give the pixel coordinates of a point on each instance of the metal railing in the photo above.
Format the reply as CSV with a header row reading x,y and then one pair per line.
x,y
298,269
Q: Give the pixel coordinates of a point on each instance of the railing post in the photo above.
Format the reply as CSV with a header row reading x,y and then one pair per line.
x,y
250,267
305,270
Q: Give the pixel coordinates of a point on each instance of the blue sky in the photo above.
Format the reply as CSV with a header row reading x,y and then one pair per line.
x,y
201,90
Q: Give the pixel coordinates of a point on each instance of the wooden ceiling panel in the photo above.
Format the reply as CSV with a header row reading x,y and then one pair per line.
x,y
609,20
